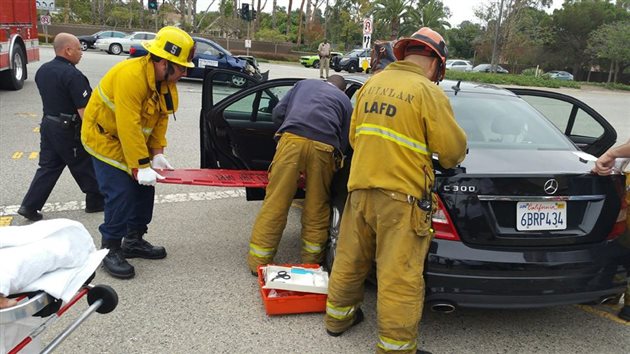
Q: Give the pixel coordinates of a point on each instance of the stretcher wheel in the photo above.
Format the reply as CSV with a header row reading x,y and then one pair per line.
x,y
105,293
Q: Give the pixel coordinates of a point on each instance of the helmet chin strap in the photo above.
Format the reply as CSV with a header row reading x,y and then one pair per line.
x,y
168,97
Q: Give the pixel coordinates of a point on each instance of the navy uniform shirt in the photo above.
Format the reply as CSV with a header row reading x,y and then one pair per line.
x,y
63,88
316,110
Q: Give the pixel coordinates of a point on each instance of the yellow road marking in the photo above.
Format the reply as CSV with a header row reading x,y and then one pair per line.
x,y
26,114
5,220
33,155
17,155
36,130
605,314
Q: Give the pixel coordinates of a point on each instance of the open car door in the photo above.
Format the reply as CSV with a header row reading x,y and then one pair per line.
x,y
578,121
236,126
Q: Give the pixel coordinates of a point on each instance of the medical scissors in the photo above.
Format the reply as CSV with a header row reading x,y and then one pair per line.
x,y
282,275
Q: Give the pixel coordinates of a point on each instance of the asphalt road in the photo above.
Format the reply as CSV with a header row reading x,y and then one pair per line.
x,y
202,298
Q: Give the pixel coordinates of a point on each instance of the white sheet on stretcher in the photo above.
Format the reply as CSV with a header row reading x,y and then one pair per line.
x,y
56,256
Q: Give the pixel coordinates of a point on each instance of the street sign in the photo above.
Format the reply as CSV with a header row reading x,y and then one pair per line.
x,y
45,4
248,43
45,19
367,26
367,40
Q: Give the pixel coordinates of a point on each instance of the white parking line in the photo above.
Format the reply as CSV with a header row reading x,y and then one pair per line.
x,y
10,210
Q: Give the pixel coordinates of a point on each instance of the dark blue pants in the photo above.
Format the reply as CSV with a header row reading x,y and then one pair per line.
x,y
128,205
58,149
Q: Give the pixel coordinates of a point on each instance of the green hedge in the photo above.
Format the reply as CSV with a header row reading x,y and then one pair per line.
x,y
509,79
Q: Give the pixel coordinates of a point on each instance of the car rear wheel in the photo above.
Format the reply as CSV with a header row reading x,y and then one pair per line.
x,y
115,49
316,64
84,46
238,81
353,67
13,79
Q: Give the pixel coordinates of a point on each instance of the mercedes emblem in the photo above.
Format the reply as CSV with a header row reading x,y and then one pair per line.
x,y
551,186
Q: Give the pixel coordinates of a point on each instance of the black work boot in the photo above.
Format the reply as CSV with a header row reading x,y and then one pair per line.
x,y
135,246
114,263
624,314
32,215
358,318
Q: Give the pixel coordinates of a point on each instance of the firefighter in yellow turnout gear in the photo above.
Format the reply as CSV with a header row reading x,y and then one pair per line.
x,y
400,119
124,129
315,118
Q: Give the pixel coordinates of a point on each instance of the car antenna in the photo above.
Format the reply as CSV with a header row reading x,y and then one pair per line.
x,y
456,87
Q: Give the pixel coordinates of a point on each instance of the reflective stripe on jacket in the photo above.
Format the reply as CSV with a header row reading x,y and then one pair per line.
x,y
127,115
399,120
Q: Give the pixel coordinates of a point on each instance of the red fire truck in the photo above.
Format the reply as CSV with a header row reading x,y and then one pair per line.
x,y
19,44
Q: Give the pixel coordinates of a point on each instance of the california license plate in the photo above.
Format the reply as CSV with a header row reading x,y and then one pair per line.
x,y
533,216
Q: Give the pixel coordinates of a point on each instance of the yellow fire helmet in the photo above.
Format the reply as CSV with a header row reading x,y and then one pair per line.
x,y
174,45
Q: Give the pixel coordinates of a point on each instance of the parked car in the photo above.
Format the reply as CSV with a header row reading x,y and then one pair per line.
x,y
118,45
87,42
313,60
350,61
458,65
209,54
486,68
559,75
521,223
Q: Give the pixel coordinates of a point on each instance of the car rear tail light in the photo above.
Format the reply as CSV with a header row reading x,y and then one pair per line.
x,y
620,225
443,225
132,51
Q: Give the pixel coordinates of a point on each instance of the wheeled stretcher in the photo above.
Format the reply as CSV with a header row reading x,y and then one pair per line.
x,y
101,298
46,267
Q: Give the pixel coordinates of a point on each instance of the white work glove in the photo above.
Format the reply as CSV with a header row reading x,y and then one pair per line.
x,y
148,177
159,161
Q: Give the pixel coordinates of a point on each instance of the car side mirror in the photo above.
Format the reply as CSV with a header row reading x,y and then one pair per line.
x,y
221,55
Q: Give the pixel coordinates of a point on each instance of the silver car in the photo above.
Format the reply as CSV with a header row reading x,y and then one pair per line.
x,y
118,45
458,65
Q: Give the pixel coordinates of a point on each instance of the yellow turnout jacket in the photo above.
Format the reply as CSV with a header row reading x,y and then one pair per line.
x,y
127,115
400,119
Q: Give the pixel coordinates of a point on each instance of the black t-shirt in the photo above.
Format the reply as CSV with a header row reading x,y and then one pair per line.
x,y
63,88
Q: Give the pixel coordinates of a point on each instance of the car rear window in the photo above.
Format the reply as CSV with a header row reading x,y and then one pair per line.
x,y
504,122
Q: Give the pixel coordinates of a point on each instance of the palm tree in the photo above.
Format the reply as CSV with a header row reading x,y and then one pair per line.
x,y
391,13
428,13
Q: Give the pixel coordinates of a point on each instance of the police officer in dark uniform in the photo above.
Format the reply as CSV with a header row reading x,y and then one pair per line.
x,y
65,92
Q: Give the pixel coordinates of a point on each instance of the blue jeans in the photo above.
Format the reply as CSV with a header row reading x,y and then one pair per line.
x,y
128,205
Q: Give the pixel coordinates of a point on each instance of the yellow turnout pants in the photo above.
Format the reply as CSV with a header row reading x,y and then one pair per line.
x,y
380,225
295,155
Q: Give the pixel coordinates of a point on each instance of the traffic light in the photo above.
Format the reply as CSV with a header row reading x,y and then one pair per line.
x,y
152,4
245,11
253,14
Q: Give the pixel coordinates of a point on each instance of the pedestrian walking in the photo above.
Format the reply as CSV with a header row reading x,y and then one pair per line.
x,y
401,118
65,92
125,132
315,118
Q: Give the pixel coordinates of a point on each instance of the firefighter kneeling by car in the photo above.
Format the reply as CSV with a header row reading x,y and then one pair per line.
x,y
124,129
401,118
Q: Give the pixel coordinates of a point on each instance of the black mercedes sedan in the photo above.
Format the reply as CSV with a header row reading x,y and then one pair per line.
x,y
521,223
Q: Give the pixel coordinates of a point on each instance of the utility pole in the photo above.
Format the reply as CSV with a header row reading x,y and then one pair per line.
x,y
493,62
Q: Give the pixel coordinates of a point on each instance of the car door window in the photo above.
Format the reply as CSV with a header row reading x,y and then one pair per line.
x,y
149,36
560,112
257,106
119,35
207,49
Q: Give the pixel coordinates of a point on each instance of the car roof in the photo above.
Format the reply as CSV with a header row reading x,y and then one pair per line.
x,y
449,86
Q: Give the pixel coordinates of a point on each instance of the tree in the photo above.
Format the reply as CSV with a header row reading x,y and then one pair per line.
x,y
391,13
299,33
572,25
427,13
612,42
461,40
